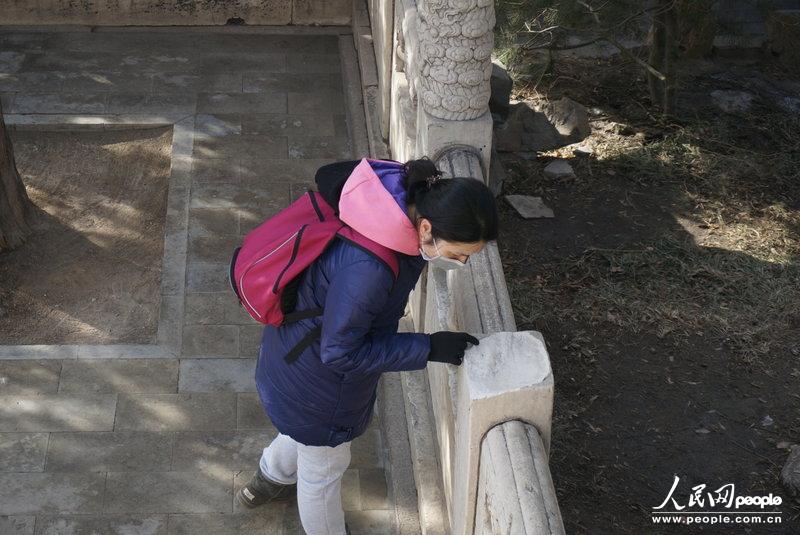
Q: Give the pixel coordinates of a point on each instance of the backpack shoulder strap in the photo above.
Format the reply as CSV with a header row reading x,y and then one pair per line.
x,y
382,253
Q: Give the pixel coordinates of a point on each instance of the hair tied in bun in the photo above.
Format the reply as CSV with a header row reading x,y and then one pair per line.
x,y
433,178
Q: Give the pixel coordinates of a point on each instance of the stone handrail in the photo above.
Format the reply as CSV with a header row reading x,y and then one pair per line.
x,y
506,377
515,489
433,81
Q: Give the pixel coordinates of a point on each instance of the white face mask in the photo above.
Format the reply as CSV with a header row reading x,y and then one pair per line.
x,y
442,261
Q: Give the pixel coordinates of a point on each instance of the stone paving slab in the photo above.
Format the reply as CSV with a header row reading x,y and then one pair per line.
x,y
102,525
118,451
51,493
220,450
317,102
333,147
58,412
313,63
250,413
213,221
217,375
29,377
106,82
119,375
299,123
256,111
151,103
176,412
207,277
272,102
17,525
260,82
170,492
212,248
215,309
270,519
57,103
22,452
176,82
210,341
250,339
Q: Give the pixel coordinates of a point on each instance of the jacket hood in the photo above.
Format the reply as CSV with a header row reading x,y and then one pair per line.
x,y
368,195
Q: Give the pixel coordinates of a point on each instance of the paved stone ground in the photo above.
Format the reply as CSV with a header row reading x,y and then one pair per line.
x,y
158,445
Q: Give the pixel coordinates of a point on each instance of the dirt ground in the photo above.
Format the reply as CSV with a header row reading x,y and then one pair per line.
x,y
668,289
90,272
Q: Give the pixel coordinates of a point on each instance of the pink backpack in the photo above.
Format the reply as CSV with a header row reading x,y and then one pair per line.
x,y
265,270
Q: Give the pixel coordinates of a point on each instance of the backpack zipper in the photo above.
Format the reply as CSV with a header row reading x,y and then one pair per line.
x,y
241,277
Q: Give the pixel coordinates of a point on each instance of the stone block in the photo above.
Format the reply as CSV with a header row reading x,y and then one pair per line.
x,y
506,377
218,375
256,173
216,248
370,522
151,103
238,62
17,524
32,82
170,492
437,135
265,520
106,525
351,491
219,125
176,412
250,340
374,494
272,102
333,147
250,413
559,169
225,450
210,340
316,102
313,63
182,83
332,12
57,412
289,82
119,375
29,377
57,103
45,493
529,207
298,124
501,84
210,221
253,147
22,452
366,58
120,451
207,277
515,490
170,326
107,82
215,170
365,451
215,309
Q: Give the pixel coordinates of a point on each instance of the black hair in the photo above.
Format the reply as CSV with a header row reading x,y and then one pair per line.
x,y
460,209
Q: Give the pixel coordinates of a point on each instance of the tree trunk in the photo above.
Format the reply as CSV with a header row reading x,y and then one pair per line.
x,y
16,209
663,54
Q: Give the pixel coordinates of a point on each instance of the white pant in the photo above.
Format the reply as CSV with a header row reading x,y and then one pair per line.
x,y
318,472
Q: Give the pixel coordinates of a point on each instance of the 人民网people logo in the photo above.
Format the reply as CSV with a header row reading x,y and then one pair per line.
x,y
720,506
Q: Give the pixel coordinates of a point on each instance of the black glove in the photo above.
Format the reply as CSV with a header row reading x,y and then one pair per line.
x,y
449,347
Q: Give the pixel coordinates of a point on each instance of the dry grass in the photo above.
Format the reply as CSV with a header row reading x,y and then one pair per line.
x,y
728,271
